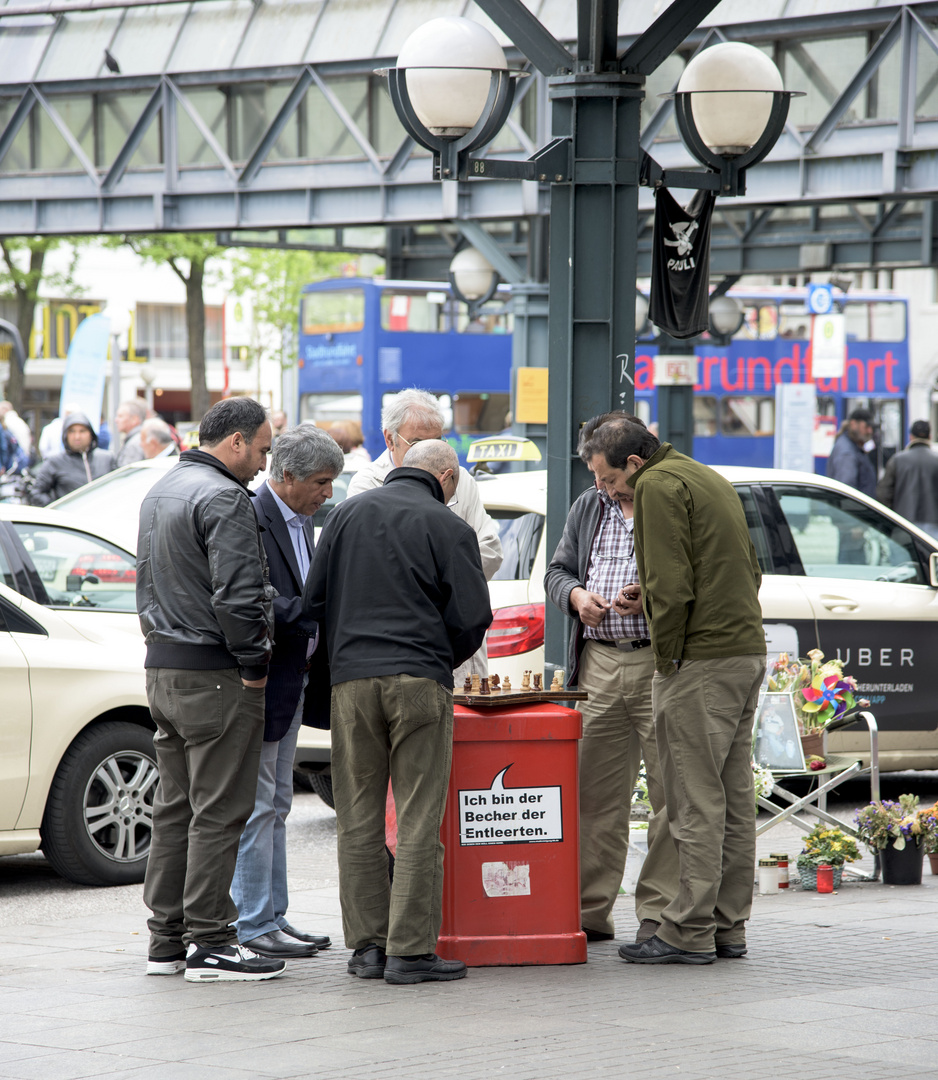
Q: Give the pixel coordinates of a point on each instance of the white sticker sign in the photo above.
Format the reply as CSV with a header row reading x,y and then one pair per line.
x,y
500,815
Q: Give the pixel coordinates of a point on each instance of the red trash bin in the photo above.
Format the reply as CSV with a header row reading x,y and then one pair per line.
x,y
511,876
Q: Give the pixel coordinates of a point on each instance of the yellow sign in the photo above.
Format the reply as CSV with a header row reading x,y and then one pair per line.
x,y
504,448
531,396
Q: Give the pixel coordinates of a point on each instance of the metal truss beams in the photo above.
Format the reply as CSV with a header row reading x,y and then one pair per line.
x,y
893,162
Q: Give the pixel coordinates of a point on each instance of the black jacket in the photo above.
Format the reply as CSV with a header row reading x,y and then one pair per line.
x,y
292,630
203,593
850,465
65,472
910,483
397,579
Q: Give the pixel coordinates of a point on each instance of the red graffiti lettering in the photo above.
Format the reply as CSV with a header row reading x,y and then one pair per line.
x,y
762,363
644,372
740,383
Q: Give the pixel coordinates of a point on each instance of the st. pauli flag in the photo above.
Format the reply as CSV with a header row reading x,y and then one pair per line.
x,y
680,264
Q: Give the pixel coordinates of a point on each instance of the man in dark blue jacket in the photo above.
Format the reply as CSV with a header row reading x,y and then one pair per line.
x,y
397,579
304,462
849,463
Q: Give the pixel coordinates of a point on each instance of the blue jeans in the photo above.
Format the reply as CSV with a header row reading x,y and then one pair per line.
x,y
259,887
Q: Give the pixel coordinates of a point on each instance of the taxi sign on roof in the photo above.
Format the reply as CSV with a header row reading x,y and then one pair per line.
x,y
503,448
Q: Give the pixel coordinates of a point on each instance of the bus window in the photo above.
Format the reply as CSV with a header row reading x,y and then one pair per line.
x,y
747,416
479,414
875,320
760,321
793,321
643,410
705,416
493,319
413,312
329,408
337,311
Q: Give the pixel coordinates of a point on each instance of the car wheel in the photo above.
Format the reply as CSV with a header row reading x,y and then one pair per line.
x,y
99,816
322,784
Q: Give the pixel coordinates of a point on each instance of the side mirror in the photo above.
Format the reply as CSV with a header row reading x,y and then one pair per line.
x,y
933,569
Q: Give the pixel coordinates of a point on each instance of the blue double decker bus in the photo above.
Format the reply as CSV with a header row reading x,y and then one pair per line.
x,y
363,339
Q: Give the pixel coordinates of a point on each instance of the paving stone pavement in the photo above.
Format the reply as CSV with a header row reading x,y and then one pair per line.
x,y
835,986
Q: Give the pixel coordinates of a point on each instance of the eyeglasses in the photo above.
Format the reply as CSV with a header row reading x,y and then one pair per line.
x,y
398,435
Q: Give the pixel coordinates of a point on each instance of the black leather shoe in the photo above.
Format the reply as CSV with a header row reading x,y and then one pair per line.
x,y
597,935
731,952
656,951
278,946
321,941
368,963
429,968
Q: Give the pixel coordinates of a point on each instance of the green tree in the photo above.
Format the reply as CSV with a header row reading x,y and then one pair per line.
x,y
187,255
275,277
22,272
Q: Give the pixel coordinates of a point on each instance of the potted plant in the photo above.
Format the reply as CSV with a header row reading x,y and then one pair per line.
x,y
825,846
901,833
820,693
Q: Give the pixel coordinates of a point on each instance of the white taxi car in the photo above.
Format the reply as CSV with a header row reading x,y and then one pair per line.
x,y
841,573
76,740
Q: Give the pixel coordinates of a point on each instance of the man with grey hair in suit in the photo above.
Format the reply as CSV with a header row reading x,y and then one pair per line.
x,y
303,464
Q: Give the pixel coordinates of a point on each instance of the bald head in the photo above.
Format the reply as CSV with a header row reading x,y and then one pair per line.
x,y
436,457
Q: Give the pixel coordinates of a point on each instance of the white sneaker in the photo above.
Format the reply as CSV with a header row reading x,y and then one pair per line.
x,y
229,963
166,965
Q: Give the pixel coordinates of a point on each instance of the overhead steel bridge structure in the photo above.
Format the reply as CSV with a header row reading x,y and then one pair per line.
x,y
265,120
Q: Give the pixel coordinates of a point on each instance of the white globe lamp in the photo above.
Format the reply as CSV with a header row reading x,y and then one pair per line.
x,y
732,86
473,273
448,63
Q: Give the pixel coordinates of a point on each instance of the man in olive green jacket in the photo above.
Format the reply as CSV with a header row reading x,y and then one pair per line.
x,y
700,586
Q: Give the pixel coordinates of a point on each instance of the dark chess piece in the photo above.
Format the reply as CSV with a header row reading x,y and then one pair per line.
x,y
484,688
538,681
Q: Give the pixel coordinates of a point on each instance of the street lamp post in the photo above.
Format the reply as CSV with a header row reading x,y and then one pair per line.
x,y
473,280
595,166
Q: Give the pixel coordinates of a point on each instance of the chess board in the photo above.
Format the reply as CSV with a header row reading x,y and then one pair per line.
x,y
501,698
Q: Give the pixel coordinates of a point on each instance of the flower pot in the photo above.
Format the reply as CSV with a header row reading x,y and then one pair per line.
x,y
808,875
812,745
933,859
902,867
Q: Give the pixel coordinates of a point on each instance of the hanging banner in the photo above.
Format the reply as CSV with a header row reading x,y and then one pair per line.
x,y
83,383
679,303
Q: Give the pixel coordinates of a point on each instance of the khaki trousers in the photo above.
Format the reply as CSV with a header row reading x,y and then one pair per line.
x,y
618,732
210,727
703,717
400,728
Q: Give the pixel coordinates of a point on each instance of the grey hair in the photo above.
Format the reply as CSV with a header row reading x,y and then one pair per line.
x,y
433,456
158,429
304,450
136,407
418,406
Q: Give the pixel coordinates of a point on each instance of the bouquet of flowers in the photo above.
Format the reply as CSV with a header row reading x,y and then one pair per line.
x,y
763,781
820,690
897,822
826,846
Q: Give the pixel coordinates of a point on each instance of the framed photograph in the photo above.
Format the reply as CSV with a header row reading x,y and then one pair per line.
x,y
777,744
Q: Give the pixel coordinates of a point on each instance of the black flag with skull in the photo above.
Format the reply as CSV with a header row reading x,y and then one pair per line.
x,y
680,264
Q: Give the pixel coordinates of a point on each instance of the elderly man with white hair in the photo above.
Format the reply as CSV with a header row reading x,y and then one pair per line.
x,y
411,417
156,439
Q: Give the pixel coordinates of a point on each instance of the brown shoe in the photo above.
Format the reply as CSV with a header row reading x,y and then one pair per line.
x,y
646,929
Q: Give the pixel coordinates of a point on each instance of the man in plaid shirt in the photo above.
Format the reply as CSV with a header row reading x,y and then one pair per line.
x,y
610,658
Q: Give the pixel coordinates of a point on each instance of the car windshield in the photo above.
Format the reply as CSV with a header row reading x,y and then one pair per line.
x,y
79,570
519,533
124,488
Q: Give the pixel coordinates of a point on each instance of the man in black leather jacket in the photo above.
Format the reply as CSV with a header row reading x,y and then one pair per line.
x,y
205,605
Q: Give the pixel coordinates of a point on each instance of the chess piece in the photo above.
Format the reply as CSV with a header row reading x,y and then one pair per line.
x,y
526,681
476,683
484,688
467,686
538,683
506,685
557,681
495,683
